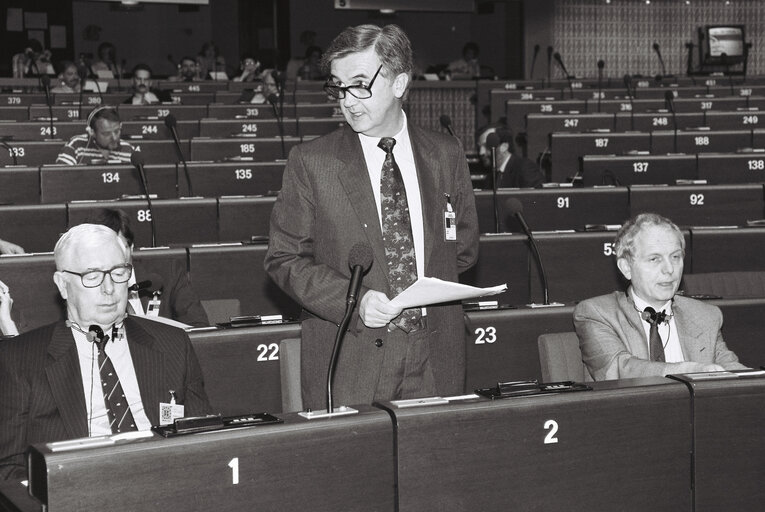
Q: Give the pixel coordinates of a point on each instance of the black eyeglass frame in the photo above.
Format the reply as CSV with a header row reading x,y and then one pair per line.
x,y
338,91
103,273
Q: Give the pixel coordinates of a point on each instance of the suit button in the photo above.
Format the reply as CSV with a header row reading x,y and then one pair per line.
x,y
378,342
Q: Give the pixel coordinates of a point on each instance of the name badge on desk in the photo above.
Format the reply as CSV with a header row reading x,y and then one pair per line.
x,y
152,308
450,222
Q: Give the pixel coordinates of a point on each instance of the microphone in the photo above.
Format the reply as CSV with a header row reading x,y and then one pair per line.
x,y
661,60
139,286
601,65
359,260
446,122
83,74
724,60
549,64
170,123
514,207
628,85
272,99
10,149
492,142
96,333
534,61
45,81
558,59
136,158
669,101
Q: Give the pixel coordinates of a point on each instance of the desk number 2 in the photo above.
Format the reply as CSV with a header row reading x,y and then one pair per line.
x,y
552,426
234,465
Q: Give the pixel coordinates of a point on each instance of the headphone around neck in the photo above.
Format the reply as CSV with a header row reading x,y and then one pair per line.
x,y
90,127
652,317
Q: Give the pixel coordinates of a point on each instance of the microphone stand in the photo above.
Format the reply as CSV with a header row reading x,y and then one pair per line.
x,y
4,143
494,188
46,87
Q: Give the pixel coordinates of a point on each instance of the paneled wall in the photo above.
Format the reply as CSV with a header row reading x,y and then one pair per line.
x,y
622,33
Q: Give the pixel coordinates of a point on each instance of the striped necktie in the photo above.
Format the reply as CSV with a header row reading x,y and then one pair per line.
x,y
120,417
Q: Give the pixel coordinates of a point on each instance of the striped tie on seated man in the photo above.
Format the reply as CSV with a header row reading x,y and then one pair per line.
x,y
101,144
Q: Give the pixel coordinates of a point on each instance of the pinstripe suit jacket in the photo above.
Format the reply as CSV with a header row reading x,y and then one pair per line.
x,y
326,205
41,393
614,344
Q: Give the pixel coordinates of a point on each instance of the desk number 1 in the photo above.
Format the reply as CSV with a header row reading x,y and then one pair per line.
x,y
234,465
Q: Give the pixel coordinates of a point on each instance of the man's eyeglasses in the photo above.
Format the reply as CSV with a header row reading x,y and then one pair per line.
x,y
361,92
94,278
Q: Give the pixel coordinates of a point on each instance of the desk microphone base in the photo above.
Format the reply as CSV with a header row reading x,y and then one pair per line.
x,y
322,413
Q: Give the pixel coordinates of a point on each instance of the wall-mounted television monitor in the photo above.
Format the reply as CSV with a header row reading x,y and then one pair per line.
x,y
724,39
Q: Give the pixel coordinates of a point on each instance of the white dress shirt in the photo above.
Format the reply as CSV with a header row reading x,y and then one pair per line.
x,y
119,352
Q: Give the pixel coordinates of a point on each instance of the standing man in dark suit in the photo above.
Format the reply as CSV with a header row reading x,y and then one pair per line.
x,y
50,378
345,188
513,170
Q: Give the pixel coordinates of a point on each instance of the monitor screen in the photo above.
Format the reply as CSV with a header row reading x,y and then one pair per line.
x,y
725,39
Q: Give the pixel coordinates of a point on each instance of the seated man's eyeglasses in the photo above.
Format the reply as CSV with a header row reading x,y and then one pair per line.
x,y
94,278
359,91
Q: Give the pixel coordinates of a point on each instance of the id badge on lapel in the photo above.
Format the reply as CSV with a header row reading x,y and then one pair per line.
x,y
450,221
152,308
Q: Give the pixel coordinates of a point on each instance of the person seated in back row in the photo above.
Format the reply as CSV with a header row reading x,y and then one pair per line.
x,y
170,281
513,170
101,144
69,78
143,92
649,330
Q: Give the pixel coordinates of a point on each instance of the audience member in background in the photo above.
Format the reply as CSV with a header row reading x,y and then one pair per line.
x,y
7,325
377,174
259,92
101,144
188,71
7,247
311,69
143,92
177,298
649,330
34,61
250,70
468,66
107,62
69,78
513,170
210,60
51,387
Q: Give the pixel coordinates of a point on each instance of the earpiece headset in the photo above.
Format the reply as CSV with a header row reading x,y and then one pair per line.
x,y
90,127
652,317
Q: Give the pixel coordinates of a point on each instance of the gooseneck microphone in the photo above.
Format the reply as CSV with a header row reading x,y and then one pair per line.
x,y
45,81
601,65
549,64
446,122
534,61
669,100
83,74
136,158
279,114
171,123
11,150
559,60
492,142
514,207
630,96
661,60
359,260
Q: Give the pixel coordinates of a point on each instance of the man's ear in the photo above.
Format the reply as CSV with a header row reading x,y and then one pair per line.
x,y
624,268
60,280
400,83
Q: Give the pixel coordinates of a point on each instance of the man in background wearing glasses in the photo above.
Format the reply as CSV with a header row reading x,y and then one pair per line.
x,y
380,179
52,386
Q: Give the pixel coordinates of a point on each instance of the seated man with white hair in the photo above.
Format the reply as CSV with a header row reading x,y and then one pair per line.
x,y
58,381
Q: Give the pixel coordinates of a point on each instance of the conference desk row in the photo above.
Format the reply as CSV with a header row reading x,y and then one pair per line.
x,y
663,444
538,127
568,148
163,151
578,266
187,129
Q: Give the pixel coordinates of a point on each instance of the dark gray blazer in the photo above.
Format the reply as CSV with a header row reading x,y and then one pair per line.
x,y
326,205
41,394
